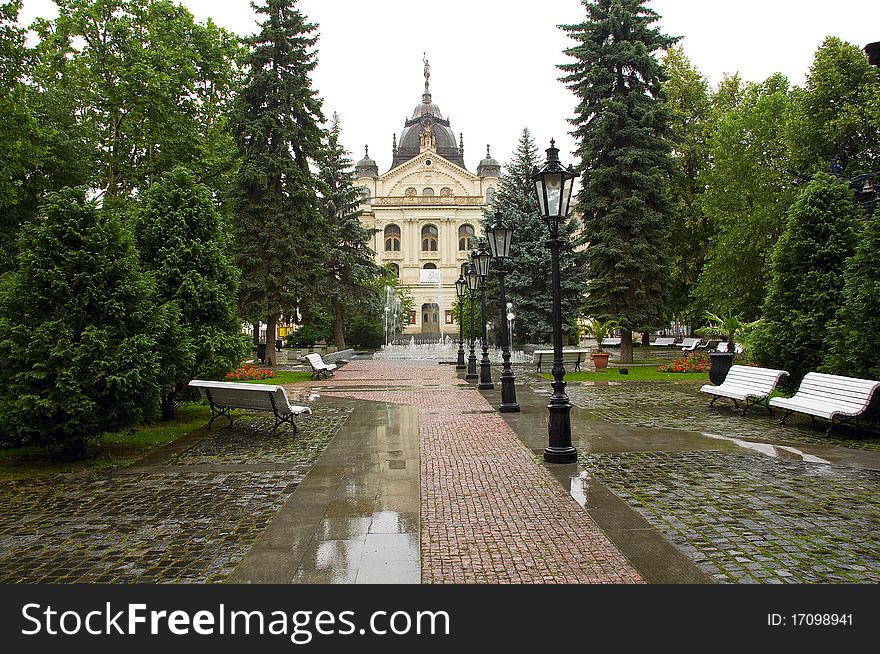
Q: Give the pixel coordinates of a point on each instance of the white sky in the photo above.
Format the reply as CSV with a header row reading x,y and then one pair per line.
x,y
493,61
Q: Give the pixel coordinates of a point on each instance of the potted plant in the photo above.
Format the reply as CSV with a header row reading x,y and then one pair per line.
x,y
600,330
729,326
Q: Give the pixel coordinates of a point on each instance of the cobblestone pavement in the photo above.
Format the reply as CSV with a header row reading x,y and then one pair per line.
x,y
749,518
740,516
683,406
490,513
188,518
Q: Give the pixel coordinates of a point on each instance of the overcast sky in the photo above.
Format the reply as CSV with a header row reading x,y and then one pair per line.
x,y
493,62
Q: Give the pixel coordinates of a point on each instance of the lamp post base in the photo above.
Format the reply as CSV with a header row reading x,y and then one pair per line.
x,y
560,454
508,393
485,376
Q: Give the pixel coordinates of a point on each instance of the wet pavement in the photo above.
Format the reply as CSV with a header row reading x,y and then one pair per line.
x,y
405,473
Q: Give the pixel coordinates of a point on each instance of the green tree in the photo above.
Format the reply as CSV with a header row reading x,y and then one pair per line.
x,y
746,196
527,284
182,243
350,269
77,330
835,115
148,85
853,340
806,282
280,236
692,120
623,132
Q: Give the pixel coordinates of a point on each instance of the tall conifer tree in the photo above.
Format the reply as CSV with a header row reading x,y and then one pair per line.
x,y
351,266
528,278
276,125
622,127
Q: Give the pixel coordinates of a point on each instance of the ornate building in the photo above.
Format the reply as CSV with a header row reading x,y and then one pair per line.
x,y
426,209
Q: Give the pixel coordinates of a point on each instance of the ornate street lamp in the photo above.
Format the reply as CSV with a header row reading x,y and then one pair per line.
x,y
473,284
553,184
482,257
460,290
500,239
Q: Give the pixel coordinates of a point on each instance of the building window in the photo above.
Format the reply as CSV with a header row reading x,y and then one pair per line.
x,y
412,317
410,192
392,238
429,238
445,192
449,318
490,195
430,266
393,267
465,234
428,191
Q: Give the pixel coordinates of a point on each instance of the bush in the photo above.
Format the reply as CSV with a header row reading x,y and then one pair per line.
x,y
77,330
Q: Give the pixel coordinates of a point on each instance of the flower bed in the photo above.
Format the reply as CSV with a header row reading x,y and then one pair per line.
x,y
698,363
249,372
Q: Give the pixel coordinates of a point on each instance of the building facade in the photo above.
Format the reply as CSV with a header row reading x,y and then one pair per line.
x,y
426,210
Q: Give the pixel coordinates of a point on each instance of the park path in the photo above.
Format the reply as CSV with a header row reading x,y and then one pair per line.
x,y
490,512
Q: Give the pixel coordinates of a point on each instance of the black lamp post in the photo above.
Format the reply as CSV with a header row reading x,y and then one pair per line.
x,y
500,239
473,284
482,257
553,184
460,290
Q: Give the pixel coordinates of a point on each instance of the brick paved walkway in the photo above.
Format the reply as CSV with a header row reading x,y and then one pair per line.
x,y
490,512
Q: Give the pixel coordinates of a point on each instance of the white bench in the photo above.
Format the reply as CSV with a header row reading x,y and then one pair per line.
x,y
746,384
225,396
690,344
568,356
318,366
829,397
611,341
664,341
724,345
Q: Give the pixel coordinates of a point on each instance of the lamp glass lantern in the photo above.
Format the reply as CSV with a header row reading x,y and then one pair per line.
x,y
473,279
553,185
500,238
482,257
461,287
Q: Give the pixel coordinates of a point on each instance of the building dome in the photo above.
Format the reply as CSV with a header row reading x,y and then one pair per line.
x,y
366,167
489,167
426,107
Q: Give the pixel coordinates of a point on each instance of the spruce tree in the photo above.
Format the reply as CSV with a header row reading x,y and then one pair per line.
x,y
806,280
183,244
280,239
77,330
622,128
351,267
853,338
527,284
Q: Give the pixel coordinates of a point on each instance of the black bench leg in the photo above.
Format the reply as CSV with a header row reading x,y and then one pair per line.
x,y
785,417
216,413
714,399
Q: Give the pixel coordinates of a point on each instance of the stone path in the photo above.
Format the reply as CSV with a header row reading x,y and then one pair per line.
x,y
490,513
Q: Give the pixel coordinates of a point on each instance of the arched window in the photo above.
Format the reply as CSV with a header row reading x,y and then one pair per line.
x,y
429,266
393,267
429,238
445,192
490,195
465,234
410,192
392,238
428,191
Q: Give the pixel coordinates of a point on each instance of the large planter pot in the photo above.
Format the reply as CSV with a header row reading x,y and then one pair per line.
x,y
721,363
261,351
600,360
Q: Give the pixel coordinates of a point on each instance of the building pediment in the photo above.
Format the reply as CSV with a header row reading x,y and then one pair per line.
x,y
417,173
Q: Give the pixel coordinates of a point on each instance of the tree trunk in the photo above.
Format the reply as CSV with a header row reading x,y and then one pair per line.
x,y
256,333
271,359
338,334
646,338
168,406
626,346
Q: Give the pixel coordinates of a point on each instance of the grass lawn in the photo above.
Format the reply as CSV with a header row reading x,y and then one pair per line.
x,y
635,374
112,451
283,377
